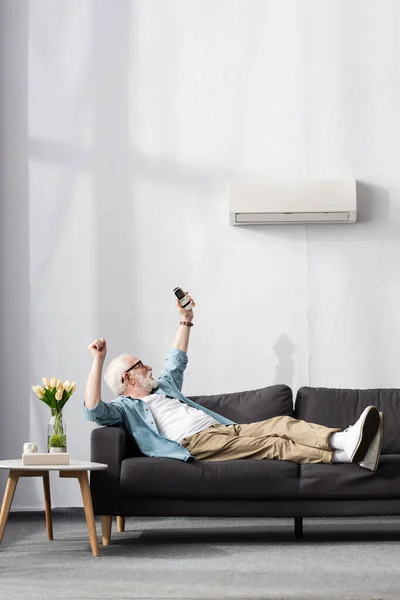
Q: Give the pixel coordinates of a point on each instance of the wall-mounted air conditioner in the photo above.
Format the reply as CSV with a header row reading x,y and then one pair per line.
x,y
281,202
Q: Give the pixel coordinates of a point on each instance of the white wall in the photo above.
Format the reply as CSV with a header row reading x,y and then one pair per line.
x,y
139,114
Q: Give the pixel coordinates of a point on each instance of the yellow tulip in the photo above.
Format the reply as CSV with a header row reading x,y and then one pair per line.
x,y
53,382
67,385
60,385
73,386
59,394
46,382
38,391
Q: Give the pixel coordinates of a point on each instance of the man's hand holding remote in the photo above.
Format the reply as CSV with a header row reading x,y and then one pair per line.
x,y
186,315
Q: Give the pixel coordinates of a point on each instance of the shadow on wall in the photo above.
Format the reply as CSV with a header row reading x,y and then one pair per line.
x,y
14,232
116,164
15,350
373,204
284,350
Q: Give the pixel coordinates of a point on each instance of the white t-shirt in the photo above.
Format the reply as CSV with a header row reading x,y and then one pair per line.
x,y
176,420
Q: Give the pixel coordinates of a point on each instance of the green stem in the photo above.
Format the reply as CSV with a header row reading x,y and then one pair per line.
x,y
58,424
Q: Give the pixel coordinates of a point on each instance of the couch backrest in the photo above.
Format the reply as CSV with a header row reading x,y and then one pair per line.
x,y
341,408
250,406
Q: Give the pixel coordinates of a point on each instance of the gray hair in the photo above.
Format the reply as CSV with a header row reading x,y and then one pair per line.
x,y
114,373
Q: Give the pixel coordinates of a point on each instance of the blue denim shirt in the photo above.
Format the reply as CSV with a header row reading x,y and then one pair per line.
x,y
133,413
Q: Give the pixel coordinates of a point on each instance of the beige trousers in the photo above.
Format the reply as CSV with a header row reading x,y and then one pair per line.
x,y
282,438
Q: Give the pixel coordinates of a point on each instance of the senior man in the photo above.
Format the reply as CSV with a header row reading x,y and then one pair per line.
x,y
165,423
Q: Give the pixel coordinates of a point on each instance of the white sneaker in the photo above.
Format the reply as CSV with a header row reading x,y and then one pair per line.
x,y
371,459
360,435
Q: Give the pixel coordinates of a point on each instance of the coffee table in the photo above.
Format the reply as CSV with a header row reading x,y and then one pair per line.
x,y
77,469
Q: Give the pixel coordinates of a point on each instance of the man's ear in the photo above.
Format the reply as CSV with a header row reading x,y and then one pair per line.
x,y
127,378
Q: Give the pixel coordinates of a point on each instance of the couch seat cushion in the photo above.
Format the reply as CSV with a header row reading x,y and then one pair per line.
x,y
338,480
243,478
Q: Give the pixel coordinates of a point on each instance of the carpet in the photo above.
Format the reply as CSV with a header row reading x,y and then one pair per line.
x,y
204,558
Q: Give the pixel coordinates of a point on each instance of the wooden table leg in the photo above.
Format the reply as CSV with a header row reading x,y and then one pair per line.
x,y
83,478
106,523
120,524
88,506
47,505
12,481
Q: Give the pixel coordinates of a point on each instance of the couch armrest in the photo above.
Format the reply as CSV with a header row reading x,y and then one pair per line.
x,y
109,445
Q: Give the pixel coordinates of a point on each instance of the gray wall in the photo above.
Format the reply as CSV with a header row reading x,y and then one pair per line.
x,y
15,340
139,114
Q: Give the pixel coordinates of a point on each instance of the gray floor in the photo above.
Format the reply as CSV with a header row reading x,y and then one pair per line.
x,y
202,558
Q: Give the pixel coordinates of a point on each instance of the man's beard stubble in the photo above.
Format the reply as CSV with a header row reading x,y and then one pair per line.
x,y
147,382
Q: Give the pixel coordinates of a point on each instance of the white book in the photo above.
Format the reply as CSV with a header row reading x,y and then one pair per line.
x,y
45,458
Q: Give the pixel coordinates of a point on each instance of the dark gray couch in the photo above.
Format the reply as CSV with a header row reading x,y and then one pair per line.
x,y
136,485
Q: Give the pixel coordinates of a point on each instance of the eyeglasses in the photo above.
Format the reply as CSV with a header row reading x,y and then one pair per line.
x,y
138,364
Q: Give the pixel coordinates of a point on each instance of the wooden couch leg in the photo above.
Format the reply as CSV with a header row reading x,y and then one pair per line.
x,y
106,521
298,527
120,524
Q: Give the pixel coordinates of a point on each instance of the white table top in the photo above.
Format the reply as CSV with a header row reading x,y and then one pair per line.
x,y
74,465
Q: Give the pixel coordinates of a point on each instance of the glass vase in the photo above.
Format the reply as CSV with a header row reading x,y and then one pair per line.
x,y
57,434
